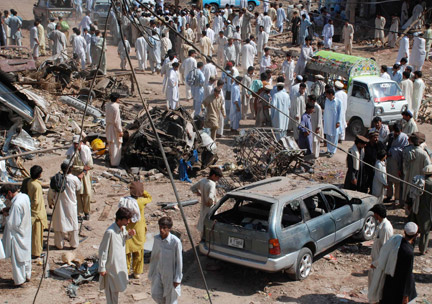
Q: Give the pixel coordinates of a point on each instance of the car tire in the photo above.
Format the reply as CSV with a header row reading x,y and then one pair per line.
x,y
369,228
214,8
356,127
303,264
251,6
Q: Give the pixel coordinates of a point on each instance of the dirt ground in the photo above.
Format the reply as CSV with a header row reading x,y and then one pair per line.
x,y
339,275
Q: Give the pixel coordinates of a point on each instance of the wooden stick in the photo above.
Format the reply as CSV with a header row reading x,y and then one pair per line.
x,y
33,152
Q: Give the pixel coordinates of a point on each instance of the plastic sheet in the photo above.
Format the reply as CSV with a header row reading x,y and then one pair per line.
x,y
25,141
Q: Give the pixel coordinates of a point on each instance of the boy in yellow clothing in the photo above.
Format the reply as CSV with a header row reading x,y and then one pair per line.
x,y
135,245
38,211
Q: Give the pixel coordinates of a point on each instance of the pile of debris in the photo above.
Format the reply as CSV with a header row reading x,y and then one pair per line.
x,y
262,155
60,77
182,144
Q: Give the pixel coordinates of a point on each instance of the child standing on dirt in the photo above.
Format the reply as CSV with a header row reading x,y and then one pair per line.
x,y
166,264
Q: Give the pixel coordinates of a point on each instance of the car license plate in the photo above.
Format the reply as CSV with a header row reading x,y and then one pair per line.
x,y
235,242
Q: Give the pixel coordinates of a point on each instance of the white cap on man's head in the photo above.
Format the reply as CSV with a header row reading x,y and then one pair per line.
x,y
76,139
411,228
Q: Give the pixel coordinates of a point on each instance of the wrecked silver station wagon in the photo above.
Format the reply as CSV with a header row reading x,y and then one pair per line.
x,y
280,224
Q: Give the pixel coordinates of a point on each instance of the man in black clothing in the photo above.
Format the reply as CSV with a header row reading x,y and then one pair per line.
x,y
370,157
295,27
355,166
400,289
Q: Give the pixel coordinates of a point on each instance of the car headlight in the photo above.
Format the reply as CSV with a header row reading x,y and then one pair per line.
x,y
404,108
379,111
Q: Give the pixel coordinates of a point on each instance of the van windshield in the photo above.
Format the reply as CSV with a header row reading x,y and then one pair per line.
x,y
385,89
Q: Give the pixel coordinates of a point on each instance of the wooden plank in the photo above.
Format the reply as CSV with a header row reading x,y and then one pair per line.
x,y
105,212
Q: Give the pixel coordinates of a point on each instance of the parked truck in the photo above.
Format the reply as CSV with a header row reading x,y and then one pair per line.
x,y
369,95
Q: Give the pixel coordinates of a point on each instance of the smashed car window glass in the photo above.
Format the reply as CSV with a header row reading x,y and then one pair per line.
x,y
247,213
335,199
291,214
315,205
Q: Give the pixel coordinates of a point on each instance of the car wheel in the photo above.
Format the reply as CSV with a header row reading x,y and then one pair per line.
x,y
214,8
251,6
356,127
369,228
303,265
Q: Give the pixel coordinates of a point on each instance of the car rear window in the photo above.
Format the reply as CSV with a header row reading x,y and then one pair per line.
x,y
244,212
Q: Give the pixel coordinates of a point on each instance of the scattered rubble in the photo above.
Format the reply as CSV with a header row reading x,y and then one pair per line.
x,y
180,141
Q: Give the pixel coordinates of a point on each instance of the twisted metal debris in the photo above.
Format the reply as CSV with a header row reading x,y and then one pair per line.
x,y
262,155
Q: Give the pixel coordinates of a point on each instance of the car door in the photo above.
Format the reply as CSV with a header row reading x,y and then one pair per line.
x,y
346,215
320,223
359,103
293,230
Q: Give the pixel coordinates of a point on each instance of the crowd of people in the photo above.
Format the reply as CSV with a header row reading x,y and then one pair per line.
x,y
384,163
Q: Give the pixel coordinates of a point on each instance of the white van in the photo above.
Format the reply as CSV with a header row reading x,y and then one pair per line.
x,y
368,94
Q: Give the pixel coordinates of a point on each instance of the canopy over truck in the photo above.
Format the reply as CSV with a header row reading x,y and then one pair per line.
x,y
331,65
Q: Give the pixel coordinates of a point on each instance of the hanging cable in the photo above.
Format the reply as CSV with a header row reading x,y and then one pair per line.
x,y
152,125
272,106
45,263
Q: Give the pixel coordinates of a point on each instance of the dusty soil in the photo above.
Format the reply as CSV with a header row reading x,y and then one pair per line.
x,y
340,279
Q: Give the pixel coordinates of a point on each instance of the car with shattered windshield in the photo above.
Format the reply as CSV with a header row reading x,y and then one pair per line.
x,y
279,224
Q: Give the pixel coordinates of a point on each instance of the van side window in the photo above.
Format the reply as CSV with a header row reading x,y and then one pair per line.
x,y
335,199
315,205
291,214
360,90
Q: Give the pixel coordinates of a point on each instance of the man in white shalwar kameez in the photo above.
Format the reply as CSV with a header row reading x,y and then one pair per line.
x,y
407,89
403,49
198,87
172,90
418,53
230,51
166,66
348,37
248,53
114,130
379,29
379,182
187,66
317,125
141,52
327,33
166,45
65,217
218,23
206,190
246,94
123,50
382,235
418,91
280,18
113,271
332,121
267,23
17,236
209,70
282,102
343,97
288,67
155,52
206,44
298,108
166,265
34,41
80,48
262,40
306,54
393,33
